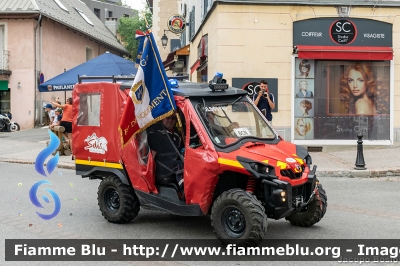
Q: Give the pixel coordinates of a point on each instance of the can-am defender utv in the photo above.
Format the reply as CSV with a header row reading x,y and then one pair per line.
x,y
238,175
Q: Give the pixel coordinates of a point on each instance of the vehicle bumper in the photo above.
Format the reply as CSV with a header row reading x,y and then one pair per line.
x,y
283,200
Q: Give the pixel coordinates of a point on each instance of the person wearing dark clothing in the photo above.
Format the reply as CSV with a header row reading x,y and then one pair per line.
x,y
264,100
166,143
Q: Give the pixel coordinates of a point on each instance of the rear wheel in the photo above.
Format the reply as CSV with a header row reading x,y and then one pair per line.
x,y
313,213
14,127
238,218
118,202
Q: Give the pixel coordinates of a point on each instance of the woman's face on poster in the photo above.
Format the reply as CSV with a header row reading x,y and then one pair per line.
x,y
303,85
304,69
302,107
356,83
301,127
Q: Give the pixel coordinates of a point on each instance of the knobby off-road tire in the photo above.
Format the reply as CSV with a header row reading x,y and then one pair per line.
x,y
118,202
313,213
238,218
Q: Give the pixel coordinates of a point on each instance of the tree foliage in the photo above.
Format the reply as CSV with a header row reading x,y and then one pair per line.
x,y
127,29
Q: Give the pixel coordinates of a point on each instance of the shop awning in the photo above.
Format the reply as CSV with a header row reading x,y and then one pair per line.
x,y
171,56
194,67
203,65
3,85
345,52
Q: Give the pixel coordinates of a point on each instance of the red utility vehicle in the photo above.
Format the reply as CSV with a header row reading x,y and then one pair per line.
x,y
239,175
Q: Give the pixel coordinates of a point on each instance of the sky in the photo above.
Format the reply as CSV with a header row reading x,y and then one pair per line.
x,y
135,4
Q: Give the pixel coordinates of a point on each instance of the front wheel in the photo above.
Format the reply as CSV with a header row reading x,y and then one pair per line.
x,y
313,213
14,127
118,202
238,218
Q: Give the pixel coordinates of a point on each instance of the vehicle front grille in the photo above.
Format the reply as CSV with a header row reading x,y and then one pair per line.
x,y
292,175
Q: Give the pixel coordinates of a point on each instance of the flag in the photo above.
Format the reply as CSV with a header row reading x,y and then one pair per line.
x,y
150,98
140,36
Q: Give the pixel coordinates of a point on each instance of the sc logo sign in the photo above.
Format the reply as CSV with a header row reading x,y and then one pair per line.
x,y
341,27
343,31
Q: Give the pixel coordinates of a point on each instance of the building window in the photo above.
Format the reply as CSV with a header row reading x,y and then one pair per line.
x,y
192,22
205,6
84,16
89,53
126,16
110,14
61,5
97,12
336,100
2,52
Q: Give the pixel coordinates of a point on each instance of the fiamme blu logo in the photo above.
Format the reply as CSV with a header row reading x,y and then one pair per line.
x,y
50,166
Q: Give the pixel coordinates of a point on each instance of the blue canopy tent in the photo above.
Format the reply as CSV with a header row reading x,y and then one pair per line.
x,y
106,64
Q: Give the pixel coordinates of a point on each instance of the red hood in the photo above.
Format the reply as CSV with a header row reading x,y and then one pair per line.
x,y
275,155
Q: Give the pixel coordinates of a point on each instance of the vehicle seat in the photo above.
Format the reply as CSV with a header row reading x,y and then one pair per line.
x,y
169,181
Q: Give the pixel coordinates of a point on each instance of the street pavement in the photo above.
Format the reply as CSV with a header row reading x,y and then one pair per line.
x,y
337,161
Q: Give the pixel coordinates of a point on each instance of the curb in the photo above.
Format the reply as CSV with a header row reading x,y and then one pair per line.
x,y
360,173
63,166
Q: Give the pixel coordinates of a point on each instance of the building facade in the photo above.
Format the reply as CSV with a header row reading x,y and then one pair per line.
x,y
331,66
40,39
110,11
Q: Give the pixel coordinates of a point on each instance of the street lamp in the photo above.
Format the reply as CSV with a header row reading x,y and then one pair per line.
x,y
164,40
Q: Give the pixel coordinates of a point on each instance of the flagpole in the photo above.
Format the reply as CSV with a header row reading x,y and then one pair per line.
x,y
169,97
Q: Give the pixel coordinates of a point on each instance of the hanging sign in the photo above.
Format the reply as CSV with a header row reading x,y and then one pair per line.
x,y
176,24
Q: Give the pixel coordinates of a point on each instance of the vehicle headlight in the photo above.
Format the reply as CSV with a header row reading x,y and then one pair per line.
x,y
261,168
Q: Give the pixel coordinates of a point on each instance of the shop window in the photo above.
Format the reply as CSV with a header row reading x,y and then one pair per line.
x,y
5,100
89,109
338,99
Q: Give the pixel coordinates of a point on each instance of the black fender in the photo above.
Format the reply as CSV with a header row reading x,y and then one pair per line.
x,y
93,172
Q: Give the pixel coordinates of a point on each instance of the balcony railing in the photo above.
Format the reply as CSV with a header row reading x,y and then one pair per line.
x,y
4,59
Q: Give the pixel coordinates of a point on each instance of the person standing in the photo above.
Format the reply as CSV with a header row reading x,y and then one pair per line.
x,y
66,120
264,100
50,112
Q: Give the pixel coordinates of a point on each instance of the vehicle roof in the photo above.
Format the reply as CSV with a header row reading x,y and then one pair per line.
x,y
194,89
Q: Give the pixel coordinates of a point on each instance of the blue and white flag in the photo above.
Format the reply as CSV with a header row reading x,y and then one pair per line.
x,y
150,98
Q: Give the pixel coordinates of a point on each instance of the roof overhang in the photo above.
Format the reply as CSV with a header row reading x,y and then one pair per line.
x,y
171,56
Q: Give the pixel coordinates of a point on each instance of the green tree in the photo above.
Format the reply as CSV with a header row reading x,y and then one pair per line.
x,y
127,29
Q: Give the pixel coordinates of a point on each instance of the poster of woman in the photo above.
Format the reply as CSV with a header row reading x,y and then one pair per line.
x,y
304,68
361,90
303,128
304,107
304,88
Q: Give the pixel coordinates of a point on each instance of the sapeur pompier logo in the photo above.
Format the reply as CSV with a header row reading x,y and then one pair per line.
x,y
51,165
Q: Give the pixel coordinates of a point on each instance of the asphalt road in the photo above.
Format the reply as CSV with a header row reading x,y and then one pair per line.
x,y
357,209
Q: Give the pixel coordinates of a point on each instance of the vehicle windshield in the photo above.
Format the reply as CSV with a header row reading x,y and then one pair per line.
x,y
227,123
